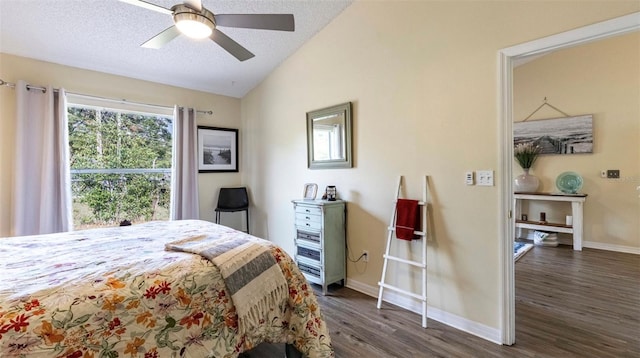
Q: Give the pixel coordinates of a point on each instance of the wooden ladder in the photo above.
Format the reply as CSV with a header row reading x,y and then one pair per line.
x,y
422,264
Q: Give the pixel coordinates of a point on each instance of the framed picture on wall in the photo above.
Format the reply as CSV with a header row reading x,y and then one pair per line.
x,y
217,149
568,135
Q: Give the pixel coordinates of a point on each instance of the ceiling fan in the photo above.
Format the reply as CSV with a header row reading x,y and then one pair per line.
x,y
195,21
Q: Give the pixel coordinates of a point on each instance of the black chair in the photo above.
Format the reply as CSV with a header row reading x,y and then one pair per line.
x,y
232,200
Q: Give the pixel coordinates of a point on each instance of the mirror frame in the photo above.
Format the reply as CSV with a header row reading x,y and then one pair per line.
x,y
347,162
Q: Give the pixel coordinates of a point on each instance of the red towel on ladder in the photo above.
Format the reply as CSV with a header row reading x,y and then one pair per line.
x,y
407,219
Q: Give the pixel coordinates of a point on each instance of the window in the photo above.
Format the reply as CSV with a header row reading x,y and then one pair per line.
x,y
120,165
327,140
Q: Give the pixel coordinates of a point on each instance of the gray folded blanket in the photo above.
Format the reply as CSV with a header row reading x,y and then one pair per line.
x,y
251,273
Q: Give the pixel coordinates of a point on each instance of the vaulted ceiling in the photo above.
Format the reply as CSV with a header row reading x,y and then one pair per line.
x,y
105,36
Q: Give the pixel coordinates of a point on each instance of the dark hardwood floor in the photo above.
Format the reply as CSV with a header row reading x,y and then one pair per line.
x,y
568,304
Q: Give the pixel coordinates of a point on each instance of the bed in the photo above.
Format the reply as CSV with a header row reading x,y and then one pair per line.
x,y
132,292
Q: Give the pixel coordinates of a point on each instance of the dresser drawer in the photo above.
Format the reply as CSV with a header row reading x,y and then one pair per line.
x,y
308,252
308,224
308,236
308,217
310,270
312,210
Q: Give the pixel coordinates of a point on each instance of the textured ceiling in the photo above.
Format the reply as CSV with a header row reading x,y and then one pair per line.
x,y
104,35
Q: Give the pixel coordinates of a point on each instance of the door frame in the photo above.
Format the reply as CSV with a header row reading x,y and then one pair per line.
x,y
506,57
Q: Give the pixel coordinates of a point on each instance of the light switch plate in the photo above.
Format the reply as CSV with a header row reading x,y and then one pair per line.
x,y
468,178
484,177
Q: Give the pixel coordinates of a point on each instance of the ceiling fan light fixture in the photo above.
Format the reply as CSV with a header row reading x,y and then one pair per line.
x,y
193,24
194,29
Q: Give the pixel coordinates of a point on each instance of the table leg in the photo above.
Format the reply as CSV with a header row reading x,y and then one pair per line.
x,y
517,205
576,211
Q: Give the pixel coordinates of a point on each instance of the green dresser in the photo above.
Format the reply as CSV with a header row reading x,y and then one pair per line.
x,y
320,241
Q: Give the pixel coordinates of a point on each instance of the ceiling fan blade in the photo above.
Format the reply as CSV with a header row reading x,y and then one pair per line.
x,y
162,38
231,46
194,4
280,22
148,6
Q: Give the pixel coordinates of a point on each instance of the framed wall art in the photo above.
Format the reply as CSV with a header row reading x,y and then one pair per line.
x,y
217,149
568,135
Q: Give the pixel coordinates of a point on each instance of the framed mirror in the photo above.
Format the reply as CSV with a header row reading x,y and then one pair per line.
x,y
329,137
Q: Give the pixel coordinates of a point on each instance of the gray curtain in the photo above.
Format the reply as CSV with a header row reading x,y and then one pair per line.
x,y
184,169
42,180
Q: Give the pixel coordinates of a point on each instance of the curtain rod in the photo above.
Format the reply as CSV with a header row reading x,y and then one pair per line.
x,y
122,101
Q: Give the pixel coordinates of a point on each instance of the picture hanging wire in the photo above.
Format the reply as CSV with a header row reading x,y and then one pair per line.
x,y
121,101
542,105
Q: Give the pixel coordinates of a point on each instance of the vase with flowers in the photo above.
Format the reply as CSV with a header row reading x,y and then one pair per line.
x,y
526,154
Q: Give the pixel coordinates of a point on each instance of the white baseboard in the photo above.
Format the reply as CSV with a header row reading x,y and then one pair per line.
x,y
611,247
489,333
563,240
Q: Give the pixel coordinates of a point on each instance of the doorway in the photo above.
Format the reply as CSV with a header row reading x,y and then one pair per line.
x,y
605,29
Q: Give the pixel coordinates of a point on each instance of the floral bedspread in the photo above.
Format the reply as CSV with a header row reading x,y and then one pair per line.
x,y
116,292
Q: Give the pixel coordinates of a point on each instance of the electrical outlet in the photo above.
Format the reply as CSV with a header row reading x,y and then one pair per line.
x,y
484,177
365,255
613,173
603,174
468,178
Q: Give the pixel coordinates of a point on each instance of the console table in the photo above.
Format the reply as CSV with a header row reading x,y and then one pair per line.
x,y
576,200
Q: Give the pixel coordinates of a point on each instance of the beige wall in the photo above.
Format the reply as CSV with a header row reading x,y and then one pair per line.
x,y
603,79
423,80
226,113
